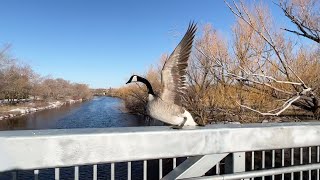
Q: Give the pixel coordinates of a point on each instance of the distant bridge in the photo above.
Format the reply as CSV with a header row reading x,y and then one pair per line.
x,y
273,151
103,92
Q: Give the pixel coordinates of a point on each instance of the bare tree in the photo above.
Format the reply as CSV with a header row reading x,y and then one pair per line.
x,y
259,71
209,96
16,82
5,63
80,91
273,69
305,15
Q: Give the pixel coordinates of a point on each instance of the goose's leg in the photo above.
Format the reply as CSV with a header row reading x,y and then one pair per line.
x,y
180,125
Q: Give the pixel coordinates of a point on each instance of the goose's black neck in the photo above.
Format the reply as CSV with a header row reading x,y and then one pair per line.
x,y
147,83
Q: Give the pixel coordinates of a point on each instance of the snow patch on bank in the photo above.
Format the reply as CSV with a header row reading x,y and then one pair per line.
x,y
27,110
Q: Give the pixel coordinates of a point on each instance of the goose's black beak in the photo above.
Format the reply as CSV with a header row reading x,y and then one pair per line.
x,y
128,82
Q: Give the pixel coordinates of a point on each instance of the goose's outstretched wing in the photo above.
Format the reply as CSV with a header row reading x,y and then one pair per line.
x,y
173,74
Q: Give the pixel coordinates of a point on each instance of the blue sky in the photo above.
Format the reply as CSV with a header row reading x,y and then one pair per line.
x,y
101,43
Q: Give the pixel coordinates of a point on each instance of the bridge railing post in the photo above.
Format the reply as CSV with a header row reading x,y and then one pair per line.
x,y
235,162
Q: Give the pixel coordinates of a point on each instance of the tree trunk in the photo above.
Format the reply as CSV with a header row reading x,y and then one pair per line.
x,y
316,111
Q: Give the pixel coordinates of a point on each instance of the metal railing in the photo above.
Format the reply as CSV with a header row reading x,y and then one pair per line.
x,y
232,151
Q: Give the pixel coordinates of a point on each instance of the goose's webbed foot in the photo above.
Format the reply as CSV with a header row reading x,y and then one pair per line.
x,y
180,125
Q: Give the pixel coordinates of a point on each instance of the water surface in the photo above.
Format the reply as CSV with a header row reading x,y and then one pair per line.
x,y
100,112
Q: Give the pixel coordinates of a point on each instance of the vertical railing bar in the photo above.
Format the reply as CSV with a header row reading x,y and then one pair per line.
x,y
129,170
318,158
36,174
95,172
301,162
292,162
218,168
174,161
273,161
252,162
310,151
76,173
56,173
282,162
263,161
310,162
160,168
14,175
145,170
112,171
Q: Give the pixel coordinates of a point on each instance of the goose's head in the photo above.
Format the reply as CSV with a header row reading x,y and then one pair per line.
x,y
133,78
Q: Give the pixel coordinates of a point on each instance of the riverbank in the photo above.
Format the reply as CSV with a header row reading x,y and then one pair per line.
x,y
11,111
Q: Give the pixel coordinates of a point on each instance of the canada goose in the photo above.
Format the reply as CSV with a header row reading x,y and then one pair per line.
x,y
167,106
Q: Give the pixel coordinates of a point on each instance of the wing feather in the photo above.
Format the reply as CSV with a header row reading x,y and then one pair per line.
x,y
173,74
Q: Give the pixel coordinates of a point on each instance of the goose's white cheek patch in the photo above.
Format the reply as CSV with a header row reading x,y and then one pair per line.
x,y
134,79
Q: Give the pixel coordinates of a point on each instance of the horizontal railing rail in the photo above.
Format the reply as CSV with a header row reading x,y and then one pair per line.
x,y
38,149
261,173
